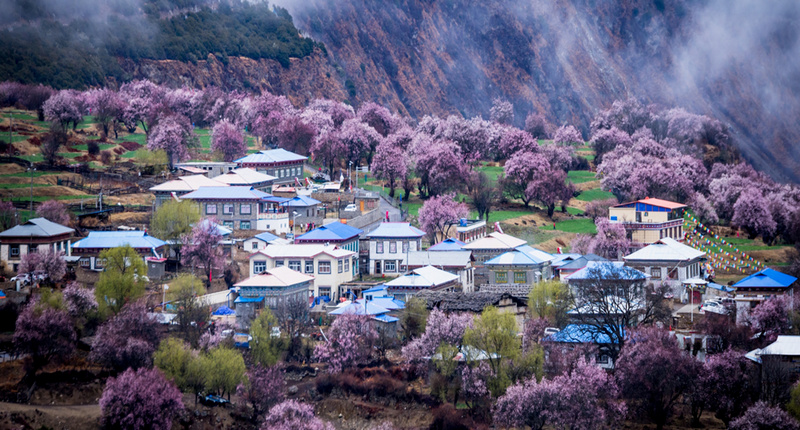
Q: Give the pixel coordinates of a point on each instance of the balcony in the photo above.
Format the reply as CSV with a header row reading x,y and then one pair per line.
x,y
273,215
630,225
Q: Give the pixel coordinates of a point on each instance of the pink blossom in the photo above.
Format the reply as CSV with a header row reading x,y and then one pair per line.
x,y
44,333
63,108
567,135
79,300
140,399
763,416
391,163
438,213
514,140
228,140
54,211
294,415
126,340
351,339
172,134
201,246
440,328
537,125
502,112
439,165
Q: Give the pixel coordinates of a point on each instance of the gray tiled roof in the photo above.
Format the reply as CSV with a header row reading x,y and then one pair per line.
x,y
37,227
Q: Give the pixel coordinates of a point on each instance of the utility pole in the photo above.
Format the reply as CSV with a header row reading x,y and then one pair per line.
x,y
31,169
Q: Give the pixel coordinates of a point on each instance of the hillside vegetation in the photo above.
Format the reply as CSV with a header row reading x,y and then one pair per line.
x,y
67,51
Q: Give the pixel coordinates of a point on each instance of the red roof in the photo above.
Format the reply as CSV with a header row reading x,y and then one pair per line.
x,y
655,202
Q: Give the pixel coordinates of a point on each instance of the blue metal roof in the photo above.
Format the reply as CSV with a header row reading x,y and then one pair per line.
x,y
579,333
355,308
113,239
376,289
386,318
449,244
607,269
278,155
241,299
766,278
301,201
522,256
226,193
334,231
266,236
721,287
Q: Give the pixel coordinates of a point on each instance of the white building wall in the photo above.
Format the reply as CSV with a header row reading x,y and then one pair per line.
x,y
399,256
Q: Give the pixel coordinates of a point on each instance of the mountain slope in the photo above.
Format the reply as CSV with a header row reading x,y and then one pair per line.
x,y
736,61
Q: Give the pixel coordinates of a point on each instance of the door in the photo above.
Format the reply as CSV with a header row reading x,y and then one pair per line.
x,y
377,267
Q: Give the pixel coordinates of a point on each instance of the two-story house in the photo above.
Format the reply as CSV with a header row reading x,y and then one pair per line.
x,y
284,165
516,271
242,208
90,247
304,212
331,266
456,262
246,177
648,220
342,235
389,244
180,187
262,240
35,235
422,279
270,288
669,262
762,285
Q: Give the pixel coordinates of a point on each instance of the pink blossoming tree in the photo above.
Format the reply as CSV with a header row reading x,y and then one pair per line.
x,y
202,247
440,328
567,135
351,340
54,211
228,141
44,333
126,340
140,399
438,213
390,164
294,415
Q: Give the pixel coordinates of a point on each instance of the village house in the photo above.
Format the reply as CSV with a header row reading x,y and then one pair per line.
x,y
468,230
668,262
261,240
524,266
242,208
609,276
89,248
379,305
248,178
648,220
35,235
172,190
207,168
567,267
389,245
424,278
491,246
475,303
284,165
270,288
335,233
456,262
449,244
779,364
581,335
761,286
331,266
304,212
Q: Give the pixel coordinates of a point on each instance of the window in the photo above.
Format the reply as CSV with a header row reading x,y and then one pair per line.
x,y
500,277
211,209
347,264
655,272
405,246
255,245
14,250
392,247
244,225
379,247
602,359
228,224
86,262
245,209
259,266
520,277
389,266
309,266
414,246
340,265
325,291
295,265
100,263
227,209
324,267
278,263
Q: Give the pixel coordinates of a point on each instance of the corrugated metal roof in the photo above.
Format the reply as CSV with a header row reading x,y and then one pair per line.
x,y
666,249
244,176
607,269
784,345
276,277
37,227
449,244
187,183
579,333
332,231
226,192
581,262
395,229
767,278
271,156
303,250
427,276
266,236
655,202
522,256
459,259
113,239
496,240
301,201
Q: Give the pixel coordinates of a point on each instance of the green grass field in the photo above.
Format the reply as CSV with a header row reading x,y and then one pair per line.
x,y
594,194
17,186
36,174
19,115
581,176
139,138
492,172
103,146
14,138
584,225
495,216
46,198
32,158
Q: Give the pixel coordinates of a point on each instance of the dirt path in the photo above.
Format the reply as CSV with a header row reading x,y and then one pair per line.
x,y
15,415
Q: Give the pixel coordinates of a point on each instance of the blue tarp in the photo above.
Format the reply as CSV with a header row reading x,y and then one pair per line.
x,y
241,299
224,310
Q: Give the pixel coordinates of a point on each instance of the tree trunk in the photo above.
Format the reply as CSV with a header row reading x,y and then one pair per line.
x,y
550,209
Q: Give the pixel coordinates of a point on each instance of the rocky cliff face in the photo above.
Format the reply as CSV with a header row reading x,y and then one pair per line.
x,y
305,79
735,60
